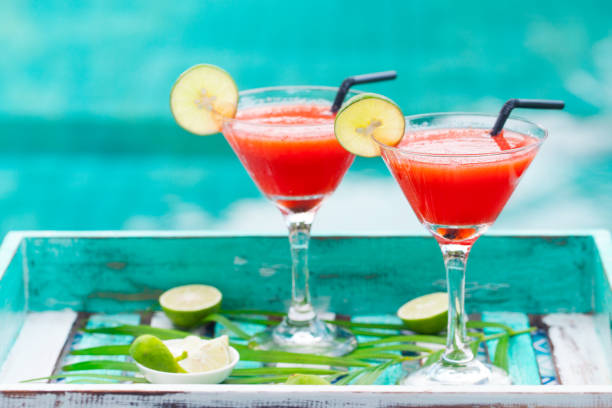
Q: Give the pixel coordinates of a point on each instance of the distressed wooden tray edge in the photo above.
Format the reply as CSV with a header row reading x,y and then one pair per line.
x,y
238,395
310,396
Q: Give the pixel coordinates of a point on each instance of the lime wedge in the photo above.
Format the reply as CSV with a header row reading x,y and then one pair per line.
x,y
187,305
426,314
151,352
205,355
367,116
306,379
202,97
215,353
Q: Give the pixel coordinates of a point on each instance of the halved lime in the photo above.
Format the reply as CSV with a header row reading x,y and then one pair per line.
x,y
187,305
151,352
367,116
202,97
426,314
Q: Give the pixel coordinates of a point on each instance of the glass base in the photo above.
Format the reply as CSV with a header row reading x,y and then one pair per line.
x,y
313,337
472,373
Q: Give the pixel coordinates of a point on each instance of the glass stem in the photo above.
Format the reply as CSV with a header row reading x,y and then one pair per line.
x,y
457,350
301,311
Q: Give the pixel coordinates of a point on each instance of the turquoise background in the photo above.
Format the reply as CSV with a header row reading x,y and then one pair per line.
x,y
87,140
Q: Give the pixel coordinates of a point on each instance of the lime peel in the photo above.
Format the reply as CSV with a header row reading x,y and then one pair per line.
x,y
426,314
152,353
202,98
187,305
366,120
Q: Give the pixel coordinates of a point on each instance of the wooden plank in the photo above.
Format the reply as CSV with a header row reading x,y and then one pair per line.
x,y
579,355
523,369
527,277
13,293
231,396
603,279
38,346
145,317
85,340
77,326
543,352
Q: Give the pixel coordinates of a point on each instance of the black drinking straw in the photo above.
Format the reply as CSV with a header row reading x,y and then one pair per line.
x,y
505,111
359,79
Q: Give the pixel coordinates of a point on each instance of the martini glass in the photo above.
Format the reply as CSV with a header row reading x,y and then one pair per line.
x,y
284,137
457,178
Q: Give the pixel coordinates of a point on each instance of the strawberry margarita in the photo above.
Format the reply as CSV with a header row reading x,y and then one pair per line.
x,y
459,177
291,153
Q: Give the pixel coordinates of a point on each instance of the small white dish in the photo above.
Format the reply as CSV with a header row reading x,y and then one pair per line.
x,y
206,377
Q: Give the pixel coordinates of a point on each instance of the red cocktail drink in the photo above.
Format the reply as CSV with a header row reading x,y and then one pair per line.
x,y
459,177
291,152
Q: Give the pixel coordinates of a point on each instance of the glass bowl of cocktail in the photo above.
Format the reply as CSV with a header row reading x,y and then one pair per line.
x,y
284,137
457,171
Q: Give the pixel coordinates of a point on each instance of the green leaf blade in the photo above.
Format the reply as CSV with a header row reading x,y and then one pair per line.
x,y
101,365
433,358
137,330
257,380
371,376
416,338
477,324
113,350
269,356
501,359
258,371
228,325
90,375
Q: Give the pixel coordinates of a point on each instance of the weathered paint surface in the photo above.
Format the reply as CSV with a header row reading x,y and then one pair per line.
x,y
603,281
580,355
13,296
38,346
524,274
523,367
85,340
233,396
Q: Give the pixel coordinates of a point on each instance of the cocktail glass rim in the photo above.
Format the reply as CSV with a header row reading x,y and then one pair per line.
x,y
405,151
351,92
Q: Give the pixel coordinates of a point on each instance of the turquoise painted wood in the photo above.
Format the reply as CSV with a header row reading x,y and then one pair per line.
x,y
602,300
85,340
12,294
523,274
523,365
